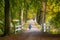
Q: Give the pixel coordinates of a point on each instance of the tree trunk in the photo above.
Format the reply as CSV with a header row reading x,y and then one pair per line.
x,y
7,18
27,8
44,11
41,15
25,15
22,16
44,15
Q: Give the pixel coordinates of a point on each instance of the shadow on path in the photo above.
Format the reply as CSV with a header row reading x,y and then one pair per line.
x,y
31,35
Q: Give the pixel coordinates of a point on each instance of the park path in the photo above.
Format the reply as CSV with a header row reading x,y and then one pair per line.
x,y
32,35
34,27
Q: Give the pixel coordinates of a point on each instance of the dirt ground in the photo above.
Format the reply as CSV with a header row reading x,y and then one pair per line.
x,y
31,36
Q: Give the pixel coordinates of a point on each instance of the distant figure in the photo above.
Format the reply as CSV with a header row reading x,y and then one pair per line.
x,y
31,23
30,26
